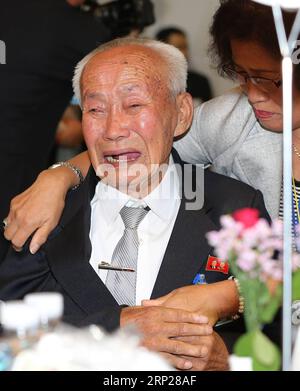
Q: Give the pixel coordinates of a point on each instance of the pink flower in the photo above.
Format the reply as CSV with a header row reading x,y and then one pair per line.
x,y
264,231
250,237
213,238
271,244
277,228
248,217
228,222
267,265
277,274
247,261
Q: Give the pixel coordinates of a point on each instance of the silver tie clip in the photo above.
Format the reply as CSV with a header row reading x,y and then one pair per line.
x,y
107,266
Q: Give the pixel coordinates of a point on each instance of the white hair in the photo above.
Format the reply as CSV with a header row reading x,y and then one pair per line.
x,y
175,61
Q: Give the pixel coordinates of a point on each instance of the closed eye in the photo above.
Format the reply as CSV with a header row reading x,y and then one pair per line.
x,y
134,107
96,111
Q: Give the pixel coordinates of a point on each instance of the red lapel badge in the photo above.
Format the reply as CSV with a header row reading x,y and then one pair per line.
x,y
215,264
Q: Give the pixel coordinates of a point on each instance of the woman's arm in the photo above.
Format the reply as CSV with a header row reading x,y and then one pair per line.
x,y
28,213
82,161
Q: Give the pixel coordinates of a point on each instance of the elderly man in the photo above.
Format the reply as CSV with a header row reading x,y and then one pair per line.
x,y
130,236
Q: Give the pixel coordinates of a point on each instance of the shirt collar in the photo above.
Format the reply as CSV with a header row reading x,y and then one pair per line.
x,y
162,201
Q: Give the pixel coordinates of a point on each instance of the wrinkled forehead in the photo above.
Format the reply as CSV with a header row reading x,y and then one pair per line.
x,y
129,54
128,62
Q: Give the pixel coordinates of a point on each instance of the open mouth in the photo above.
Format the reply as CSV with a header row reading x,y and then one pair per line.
x,y
121,157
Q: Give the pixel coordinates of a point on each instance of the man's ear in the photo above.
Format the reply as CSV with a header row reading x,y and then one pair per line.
x,y
185,107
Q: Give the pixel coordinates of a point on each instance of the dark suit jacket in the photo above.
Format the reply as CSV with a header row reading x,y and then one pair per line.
x,y
62,264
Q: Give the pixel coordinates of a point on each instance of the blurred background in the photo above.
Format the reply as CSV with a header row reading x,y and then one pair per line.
x,y
194,17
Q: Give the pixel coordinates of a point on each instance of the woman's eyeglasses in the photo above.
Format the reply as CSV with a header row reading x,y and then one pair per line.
x,y
263,83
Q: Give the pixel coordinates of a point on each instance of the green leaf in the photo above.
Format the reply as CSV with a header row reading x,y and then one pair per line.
x,y
264,296
265,352
244,345
296,285
271,307
265,355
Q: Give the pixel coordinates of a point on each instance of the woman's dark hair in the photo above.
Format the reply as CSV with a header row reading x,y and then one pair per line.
x,y
248,21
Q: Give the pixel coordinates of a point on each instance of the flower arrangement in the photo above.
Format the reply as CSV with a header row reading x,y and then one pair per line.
x,y
254,250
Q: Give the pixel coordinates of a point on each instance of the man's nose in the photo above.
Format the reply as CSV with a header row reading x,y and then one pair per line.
x,y
116,126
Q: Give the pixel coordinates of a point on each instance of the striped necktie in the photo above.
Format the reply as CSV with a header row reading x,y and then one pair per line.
x,y
122,285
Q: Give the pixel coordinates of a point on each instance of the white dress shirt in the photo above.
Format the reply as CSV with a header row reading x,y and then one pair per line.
x,y
154,231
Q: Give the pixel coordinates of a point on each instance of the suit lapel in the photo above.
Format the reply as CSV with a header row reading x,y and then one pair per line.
x,y
186,252
187,249
70,266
